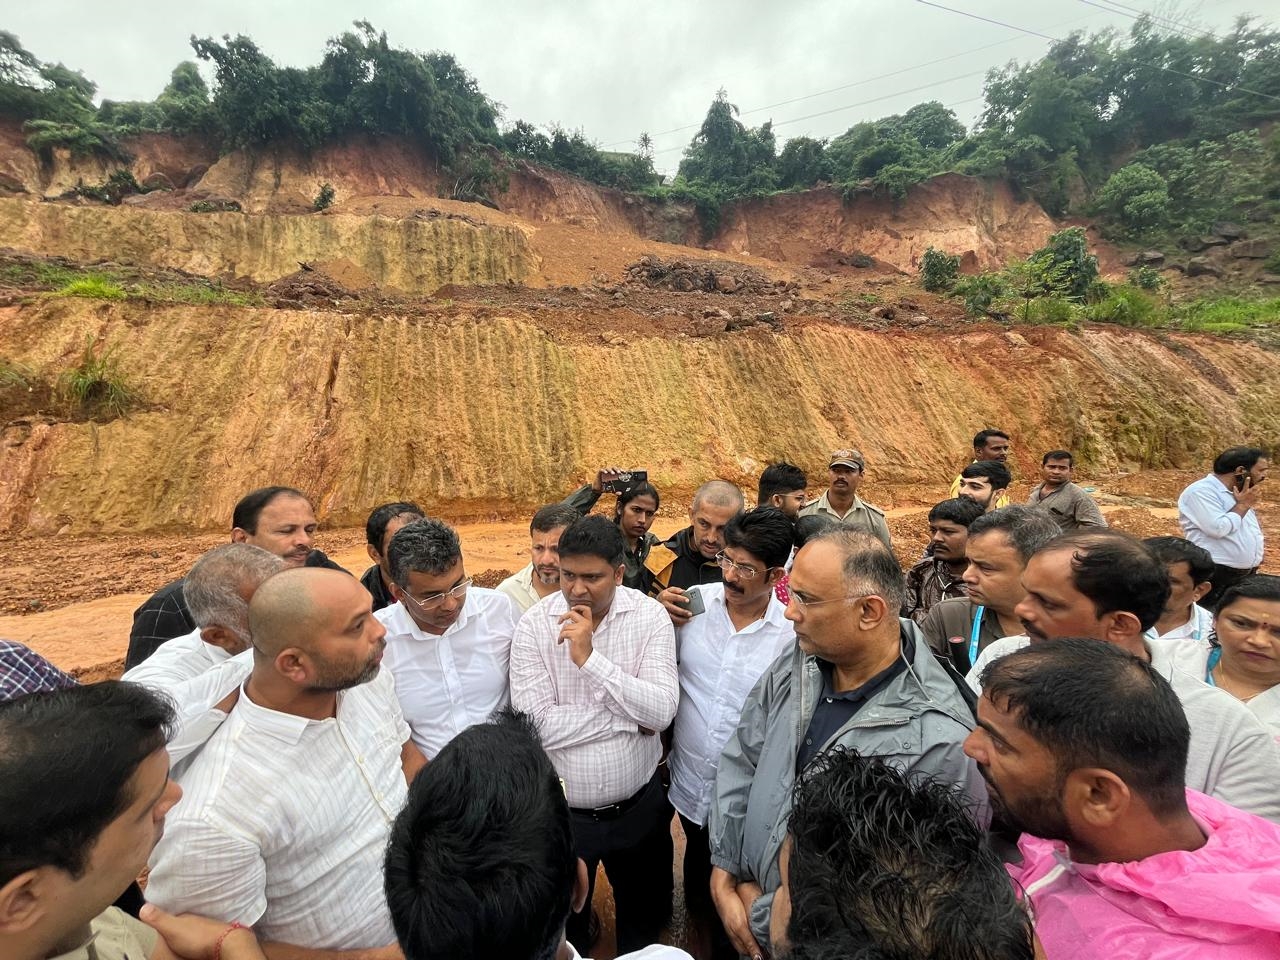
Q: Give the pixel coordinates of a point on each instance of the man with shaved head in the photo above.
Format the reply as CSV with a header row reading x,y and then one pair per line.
x,y
690,556
288,806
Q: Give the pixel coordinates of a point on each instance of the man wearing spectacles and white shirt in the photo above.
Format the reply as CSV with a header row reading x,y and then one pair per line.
x,y
448,643
722,653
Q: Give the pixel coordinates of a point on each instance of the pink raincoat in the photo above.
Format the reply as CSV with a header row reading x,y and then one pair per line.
x,y
1220,901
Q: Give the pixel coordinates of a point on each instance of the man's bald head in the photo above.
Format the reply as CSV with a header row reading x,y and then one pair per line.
x,y
287,609
719,493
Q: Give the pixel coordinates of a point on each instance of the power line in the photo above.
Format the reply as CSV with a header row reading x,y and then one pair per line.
x,y
1153,66
1133,13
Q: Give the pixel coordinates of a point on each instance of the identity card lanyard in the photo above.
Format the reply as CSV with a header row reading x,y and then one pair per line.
x,y
973,635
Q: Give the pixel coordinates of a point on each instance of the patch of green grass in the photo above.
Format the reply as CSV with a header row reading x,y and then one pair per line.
x,y
198,293
97,382
1127,306
1229,314
28,274
93,286
14,374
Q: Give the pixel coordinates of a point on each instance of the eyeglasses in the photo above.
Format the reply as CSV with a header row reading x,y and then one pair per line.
x,y
427,603
804,604
743,571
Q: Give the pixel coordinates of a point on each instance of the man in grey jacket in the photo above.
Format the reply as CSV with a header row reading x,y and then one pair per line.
x,y
859,677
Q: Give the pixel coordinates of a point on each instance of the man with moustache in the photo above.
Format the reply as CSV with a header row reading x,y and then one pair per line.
x,y
938,576
280,520
997,548
1106,585
448,642
840,501
689,557
595,667
1218,512
1071,506
541,576
989,444
1084,749
723,652
986,483
288,806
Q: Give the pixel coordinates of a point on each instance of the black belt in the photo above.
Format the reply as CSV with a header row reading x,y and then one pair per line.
x,y
613,811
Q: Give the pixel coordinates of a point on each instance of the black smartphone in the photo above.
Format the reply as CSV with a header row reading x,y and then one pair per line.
x,y
624,481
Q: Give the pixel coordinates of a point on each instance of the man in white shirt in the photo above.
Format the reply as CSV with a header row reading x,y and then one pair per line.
x,y
1190,570
722,653
481,860
288,807
541,576
595,667
1105,585
448,643
217,592
1217,513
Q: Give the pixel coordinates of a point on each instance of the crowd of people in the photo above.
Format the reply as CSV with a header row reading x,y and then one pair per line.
x,y
1045,737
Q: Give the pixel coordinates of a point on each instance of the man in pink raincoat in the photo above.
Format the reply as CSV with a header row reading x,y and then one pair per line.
x,y
1084,748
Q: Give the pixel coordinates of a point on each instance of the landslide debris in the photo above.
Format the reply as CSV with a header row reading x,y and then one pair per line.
x,y
705,276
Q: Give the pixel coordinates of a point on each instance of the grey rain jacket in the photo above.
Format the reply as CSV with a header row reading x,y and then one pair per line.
x,y
918,721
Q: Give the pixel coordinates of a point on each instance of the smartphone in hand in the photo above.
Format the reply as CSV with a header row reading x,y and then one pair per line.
x,y
696,604
624,481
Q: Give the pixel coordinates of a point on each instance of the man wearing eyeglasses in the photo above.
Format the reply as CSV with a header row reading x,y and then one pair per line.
x,y
859,677
723,652
840,501
448,643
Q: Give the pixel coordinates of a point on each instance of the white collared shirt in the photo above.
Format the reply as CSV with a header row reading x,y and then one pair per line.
x,y
590,716
176,661
719,665
1197,628
519,587
1205,512
284,821
450,681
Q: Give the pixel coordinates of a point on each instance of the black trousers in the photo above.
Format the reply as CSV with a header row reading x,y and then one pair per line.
x,y
1223,577
697,889
635,848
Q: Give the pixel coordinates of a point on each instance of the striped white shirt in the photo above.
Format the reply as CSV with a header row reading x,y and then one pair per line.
x,y
176,661
719,665
284,821
450,681
590,717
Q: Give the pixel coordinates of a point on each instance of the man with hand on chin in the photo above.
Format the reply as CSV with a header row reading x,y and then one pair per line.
x,y
595,667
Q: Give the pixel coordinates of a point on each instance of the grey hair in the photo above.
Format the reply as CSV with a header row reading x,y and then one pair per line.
x,y
1028,528
212,588
423,546
869,566
719,493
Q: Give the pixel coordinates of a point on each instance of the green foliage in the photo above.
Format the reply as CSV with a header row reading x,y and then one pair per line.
x,y
1125,305
96,383
1135,197
1050,310
324,199
118,185
730,159
94,287
214,206
573,153
980,292
803,163
1146,278
1067,262
938,270
1228,314
12,373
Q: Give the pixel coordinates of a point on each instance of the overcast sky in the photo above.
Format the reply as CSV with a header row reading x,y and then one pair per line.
x,y
814,67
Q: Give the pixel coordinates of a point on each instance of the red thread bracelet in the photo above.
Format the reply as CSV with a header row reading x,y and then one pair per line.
x,y
217,944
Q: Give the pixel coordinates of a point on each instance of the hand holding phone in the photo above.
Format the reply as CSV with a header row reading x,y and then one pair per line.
x,y
695,604
620,481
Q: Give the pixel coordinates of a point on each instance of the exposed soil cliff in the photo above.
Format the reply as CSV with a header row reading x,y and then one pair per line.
x,y
489,411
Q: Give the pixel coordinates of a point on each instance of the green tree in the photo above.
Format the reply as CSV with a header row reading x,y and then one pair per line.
x,y
1067,261
1136,198
802,163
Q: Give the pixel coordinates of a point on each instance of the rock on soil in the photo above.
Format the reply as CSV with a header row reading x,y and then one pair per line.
x,y
707,276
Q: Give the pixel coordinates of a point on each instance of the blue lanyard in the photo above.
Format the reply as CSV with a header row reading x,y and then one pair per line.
x,y
1215,654
973,635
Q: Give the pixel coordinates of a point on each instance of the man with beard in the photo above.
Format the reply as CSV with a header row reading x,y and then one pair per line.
x,y
689,557
997,548
938,576
986,483
723,652
280,520
541,577
1106,585
840,501
988,445
287,808
448,643
1218,512
1084,748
